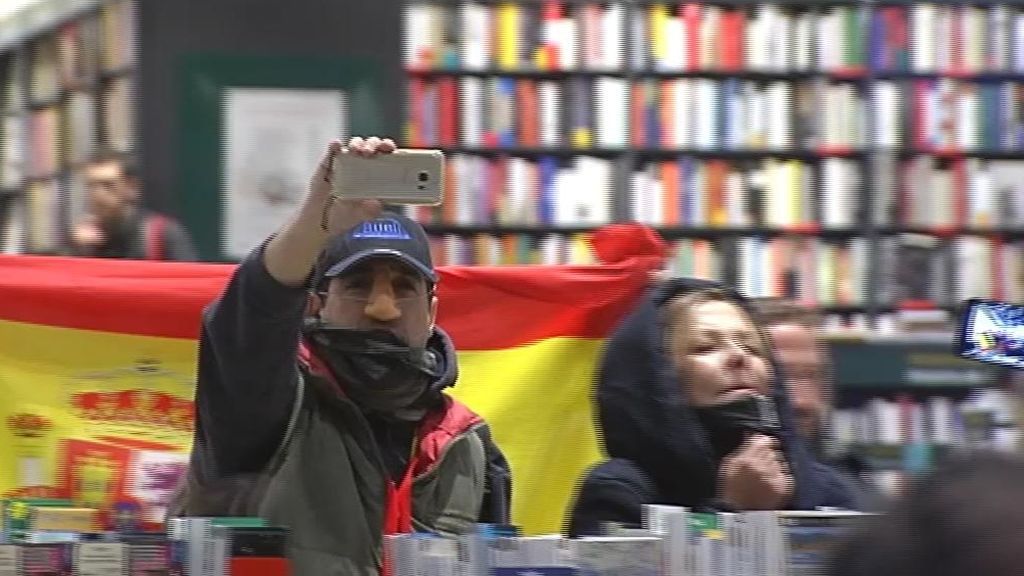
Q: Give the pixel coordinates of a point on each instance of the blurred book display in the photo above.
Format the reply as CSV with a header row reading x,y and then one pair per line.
x,y
673,541
837,152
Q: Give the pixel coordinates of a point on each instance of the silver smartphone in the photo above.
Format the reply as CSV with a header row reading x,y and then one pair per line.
x,y
405,176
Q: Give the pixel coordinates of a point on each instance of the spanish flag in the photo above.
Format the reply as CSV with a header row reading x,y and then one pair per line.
x,y
97,369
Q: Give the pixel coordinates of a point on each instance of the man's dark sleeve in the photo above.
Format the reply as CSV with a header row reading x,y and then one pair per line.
x,y
247,373
177,243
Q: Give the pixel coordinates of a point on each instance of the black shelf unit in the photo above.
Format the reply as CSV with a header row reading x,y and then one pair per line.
x,y
861,76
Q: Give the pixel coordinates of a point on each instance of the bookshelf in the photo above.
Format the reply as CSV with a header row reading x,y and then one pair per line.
x,y
67,89
837,143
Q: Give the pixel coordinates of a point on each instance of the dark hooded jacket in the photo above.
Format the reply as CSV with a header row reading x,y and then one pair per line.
x,y
659,451
276,437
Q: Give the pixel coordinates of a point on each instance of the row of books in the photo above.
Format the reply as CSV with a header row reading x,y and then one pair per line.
x,y
772,193
671,541
982,420
41,142
37,220
928,37
921,192
503,111
510,36
506,191
51,538
555,36
818,271
943,113
610,112
925,192
691,36
918,267
510,249
716,114
73,56
705,113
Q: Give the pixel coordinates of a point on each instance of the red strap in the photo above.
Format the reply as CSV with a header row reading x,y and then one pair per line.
x,y
398,514
155,226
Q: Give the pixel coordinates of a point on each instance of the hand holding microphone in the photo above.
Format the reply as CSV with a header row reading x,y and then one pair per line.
x,y
755,476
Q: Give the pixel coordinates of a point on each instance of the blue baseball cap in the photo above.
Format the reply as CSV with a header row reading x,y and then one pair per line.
x,y
391,235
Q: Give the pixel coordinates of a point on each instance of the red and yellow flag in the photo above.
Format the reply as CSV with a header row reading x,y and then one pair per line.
x,y
97,368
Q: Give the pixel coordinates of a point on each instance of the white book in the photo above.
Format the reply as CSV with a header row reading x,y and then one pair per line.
x,y
682,108
735,198
965,119
887,111
999,38
596,195
640,197
707,101
553,249
1018,43
517,183
417,32
829,40
656,208
754,40
981,201
923,19
944,29
612,112
612,46
674,58
567,40
471,104
756,116
803,38
781,46
550,103
834,192
779,119
475,20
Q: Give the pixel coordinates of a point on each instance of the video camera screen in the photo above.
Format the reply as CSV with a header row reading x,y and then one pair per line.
x,y
992,332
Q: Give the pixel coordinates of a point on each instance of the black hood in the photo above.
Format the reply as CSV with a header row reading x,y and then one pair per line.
x,y
644,414
441,344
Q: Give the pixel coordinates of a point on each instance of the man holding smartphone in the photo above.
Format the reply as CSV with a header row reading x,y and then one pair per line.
x,y
319,405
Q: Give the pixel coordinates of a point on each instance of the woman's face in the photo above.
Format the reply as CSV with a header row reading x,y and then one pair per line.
x,y
717,352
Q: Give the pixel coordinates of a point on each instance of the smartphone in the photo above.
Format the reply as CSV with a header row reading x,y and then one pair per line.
x,y
405,176
991,331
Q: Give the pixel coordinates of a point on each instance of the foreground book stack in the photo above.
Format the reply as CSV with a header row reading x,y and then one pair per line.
x,y
50,537
673,541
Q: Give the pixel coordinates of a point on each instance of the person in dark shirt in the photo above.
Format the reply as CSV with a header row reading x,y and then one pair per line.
x,y
320,401
692,413
803,356
116,226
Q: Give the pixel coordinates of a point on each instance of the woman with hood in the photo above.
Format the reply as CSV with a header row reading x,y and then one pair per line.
x,y
694,413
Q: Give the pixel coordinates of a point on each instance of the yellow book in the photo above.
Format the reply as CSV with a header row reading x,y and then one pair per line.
x,y
508,36
795,191
658,14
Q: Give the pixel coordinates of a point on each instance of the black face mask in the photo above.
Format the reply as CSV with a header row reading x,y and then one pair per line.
x,y
728,424
378,371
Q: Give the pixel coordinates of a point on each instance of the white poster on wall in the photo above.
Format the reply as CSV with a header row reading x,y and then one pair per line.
x,y
272,140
